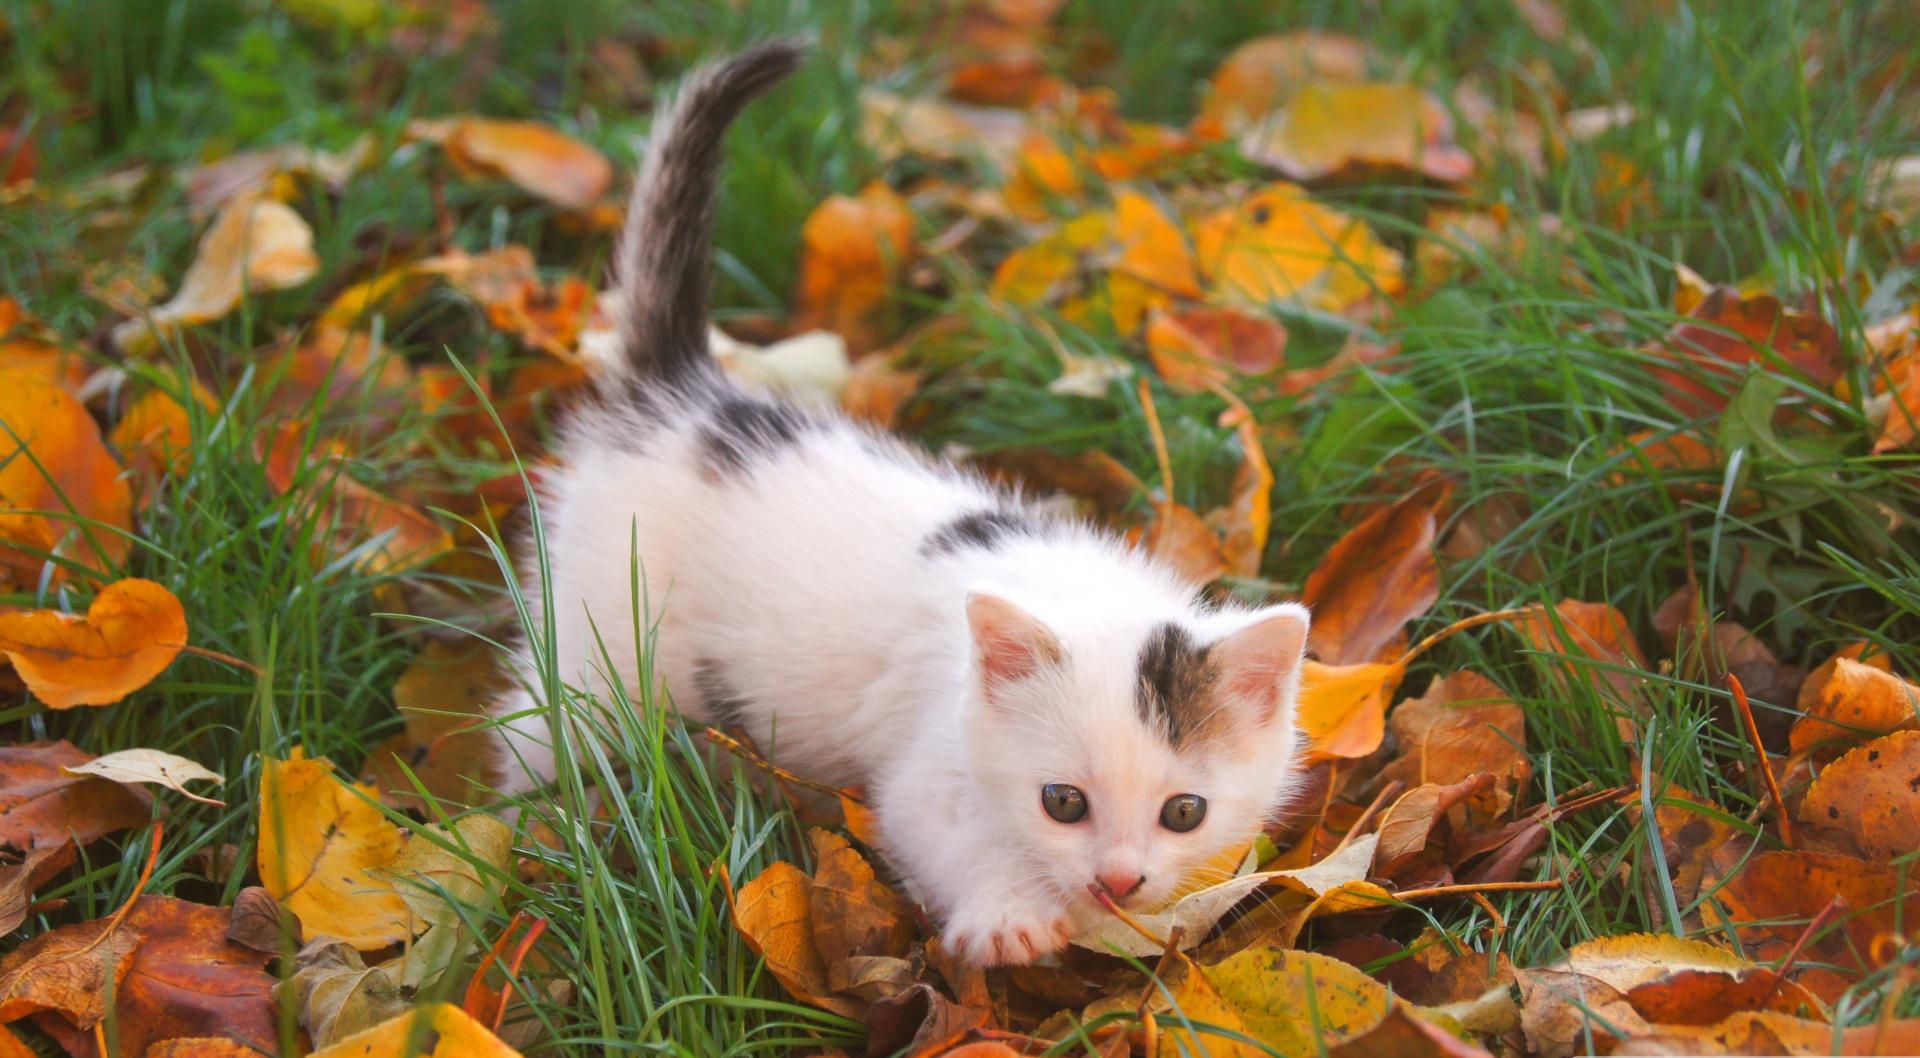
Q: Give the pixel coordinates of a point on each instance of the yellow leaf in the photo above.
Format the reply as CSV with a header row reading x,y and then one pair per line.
x,y
1039,272
1848,701
253,244
1042,172
1280,245
1153,249
1269,988
1262,74
451,1032
1343,708
1325,128
1195,999
323,846
132,632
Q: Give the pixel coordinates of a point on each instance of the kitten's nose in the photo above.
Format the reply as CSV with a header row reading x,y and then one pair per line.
x,y
1121,884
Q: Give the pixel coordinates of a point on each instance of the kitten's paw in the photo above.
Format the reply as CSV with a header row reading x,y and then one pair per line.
x,y
1005,936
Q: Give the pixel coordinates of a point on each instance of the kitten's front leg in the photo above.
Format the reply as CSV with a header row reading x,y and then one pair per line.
x,y
1002,925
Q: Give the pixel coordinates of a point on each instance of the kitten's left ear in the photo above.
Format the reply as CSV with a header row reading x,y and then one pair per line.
x,y
1009,644
1259,664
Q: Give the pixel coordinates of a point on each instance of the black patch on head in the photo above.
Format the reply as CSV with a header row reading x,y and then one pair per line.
x,y
725,707
742,427
983,529
1175,691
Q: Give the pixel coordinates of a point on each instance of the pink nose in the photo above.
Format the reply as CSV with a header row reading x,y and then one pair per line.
x,y
1121,884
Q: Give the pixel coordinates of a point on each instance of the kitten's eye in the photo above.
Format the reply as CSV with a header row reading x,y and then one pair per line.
x,y
1064,803
1183,812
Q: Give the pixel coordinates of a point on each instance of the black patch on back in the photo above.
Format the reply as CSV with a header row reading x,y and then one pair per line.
x,y
725,707
742,427
1175,690
982,529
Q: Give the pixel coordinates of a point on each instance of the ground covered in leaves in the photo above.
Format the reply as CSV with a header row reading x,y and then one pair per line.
x,y
1563,356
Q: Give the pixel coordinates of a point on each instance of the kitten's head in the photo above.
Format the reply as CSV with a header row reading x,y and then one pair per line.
x,y
1123,761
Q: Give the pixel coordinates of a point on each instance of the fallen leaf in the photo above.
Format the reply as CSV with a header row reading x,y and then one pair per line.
x,y
196,1047
1409,823
851,257
150,765
1701,355
774,912
1772,1033
155,435
1872,794
323,845
1343,708
1279,245
1463,725
337,994
171,970
258,922
1402,1034
452,1033
1702,997
1249,513
261,172
1260,76
538,158
1042,271
892,126
1586,991
1197,348
253,244
46,814
1181,539
383,534
444,695
1846,701
1586,630
1274,988
61,492
1899,407
1190,995
132,631
1327,127
1152,248
27,344
1380,575
1041,172
1092,475
878,389
1770,901
807,368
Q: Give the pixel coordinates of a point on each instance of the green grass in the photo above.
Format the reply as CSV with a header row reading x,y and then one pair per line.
x,y
1518,377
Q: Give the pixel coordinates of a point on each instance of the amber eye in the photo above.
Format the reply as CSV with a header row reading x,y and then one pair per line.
x,y
1064,803
1183,812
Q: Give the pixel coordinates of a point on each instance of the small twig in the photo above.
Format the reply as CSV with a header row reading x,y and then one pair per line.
x,y
737,748
1462,625
726,887
1469,890
1766,766
217,656
1106,901
146,875
513,968
1159,445
1378,805
1499,920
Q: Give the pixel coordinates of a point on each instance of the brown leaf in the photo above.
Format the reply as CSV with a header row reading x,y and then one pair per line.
x,y
1463,725
1872,793
1375,579
1697,842
61,492
1592,630
198,1047
1587,990
348,513
852,253
1199,347
853,913
1771,1033
878,389
1182,539
1847,701
132,632
47,814
1408,824
1403,1035
155,435
174,973
1091,475
259,922
444,695
1725,332
1770,901
774,912
1702,997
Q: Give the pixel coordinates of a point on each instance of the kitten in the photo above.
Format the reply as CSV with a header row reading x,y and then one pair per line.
x,y
1035,707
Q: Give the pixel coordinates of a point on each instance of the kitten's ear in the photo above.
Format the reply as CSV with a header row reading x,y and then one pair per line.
x,y
1259,665
1009,644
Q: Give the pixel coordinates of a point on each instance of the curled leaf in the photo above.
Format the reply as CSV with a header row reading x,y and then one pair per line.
x,y
253,244
150,765
131,633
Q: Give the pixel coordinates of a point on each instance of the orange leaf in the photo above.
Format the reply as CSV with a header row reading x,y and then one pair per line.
x,y
774,912
155,436
1376,578
1325,128
1725,332
1343,708
852,250
26,344
253,244
1770,901
53,462
1153,249
1902,420
1197,348
1586,629
1249,517
1180,538
323,848
1872,793
1848,701
1280,245
47,814
132,632
539,158
1462,726
450,1033
878,389
1041,172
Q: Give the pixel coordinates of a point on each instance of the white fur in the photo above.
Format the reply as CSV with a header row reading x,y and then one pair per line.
x,y
804,575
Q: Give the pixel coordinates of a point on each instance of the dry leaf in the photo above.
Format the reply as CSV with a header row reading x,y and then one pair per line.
x,y
774,912
1872,793
539,158
852,253
1462,726
323,845
1182,540
1280,245
1725,332
1846,701
1269,988
1152,248
1343,708
1249,514
150,765
46,814
1380,575
1772,1033
1402,1034
1325,128
1260,76
1597,975
878,389
253,244
61,492
444,695
155,435
1771,899
1195,349
1592,630
450,1031
131,633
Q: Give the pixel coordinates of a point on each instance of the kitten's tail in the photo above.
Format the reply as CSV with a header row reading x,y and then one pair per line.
x,y
661,266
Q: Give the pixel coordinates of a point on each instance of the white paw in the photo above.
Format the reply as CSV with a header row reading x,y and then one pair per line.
x,y
993,936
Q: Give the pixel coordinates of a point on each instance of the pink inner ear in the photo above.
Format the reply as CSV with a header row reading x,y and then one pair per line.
x,y
1257,660
1010,643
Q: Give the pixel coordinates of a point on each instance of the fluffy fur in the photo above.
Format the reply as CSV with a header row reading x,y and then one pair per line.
x,y
876,617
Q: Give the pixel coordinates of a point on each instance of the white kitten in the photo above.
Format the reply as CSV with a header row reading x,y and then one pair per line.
x,y
1036,708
